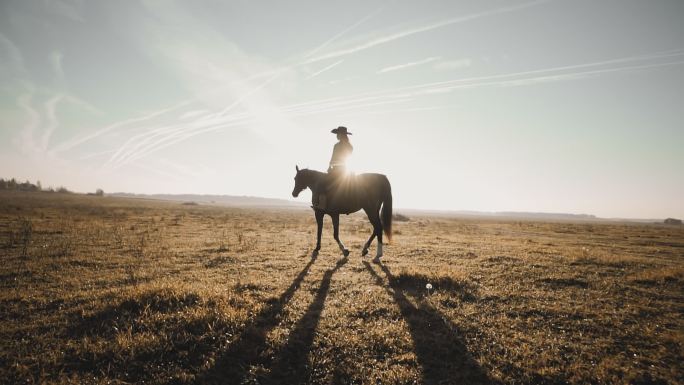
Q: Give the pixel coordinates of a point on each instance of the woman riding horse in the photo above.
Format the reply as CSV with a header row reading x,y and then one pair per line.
x,y
337,168
338,194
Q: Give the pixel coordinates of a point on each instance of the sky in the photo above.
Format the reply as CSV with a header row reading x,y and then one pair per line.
x,y
563,106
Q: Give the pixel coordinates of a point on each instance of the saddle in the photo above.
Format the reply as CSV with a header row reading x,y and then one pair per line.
x,y
340,184
340,190
338,181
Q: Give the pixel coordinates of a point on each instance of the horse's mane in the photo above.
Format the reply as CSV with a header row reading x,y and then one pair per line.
x,y
311,172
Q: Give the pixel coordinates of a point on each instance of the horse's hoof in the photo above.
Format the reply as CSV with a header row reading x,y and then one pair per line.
x,y
376,259
314,254
364,252
345,252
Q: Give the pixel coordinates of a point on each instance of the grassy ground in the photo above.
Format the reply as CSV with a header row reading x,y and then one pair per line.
x,y
105,290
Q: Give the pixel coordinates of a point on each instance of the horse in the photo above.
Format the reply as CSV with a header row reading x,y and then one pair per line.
x,y
349,194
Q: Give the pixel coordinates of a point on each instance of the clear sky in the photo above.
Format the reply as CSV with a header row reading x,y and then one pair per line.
x,y
549,106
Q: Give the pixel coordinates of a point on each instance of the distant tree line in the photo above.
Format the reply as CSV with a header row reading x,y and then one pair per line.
x,y
14,185
99,192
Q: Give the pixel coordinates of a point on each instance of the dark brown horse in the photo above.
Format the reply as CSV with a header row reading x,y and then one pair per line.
x,y
346,195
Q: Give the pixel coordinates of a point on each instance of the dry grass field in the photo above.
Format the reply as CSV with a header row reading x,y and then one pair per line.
x,y
114,291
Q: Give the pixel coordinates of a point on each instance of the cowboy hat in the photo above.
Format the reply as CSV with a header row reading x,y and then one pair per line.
x,y
340,130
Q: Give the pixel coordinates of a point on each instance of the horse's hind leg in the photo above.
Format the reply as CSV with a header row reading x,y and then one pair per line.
x,y
319,227
374,218
378,253
336,233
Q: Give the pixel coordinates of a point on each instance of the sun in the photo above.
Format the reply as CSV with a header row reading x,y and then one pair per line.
x,y
350,167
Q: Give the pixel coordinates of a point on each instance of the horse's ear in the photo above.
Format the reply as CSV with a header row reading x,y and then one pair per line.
x,y
297,168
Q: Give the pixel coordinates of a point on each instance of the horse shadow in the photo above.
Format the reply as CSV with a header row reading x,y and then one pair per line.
x,y
440,350
291,365
233,364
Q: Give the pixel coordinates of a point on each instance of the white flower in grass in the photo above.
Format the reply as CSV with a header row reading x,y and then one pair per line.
x,y
428,286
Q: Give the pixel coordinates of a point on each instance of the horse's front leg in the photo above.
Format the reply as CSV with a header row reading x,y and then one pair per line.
x,y
336,233
319,227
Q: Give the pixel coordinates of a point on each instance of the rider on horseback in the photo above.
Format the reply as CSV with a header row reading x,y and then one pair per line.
x,y
335,193
337,167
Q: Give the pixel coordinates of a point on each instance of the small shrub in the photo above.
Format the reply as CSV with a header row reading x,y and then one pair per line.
x,y
400,218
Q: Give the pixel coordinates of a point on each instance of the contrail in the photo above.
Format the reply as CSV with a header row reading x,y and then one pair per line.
x,y
403,110
384,93
404,94
295,109
508,79
179,138
409,64
308,60
492,80
80,140
135,142
313,75
184,132
170,135
659,55
154,146
409,32
274,74
577,75
351,107
250,93
343,32
139,141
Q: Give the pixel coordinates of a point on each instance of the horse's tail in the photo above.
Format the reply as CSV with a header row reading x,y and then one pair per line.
x,y
386,212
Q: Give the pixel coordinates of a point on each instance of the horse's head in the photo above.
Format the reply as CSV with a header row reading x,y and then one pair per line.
x,y
300,182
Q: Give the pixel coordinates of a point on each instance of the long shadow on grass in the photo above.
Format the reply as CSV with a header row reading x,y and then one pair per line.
x,y
232,366
290,366
440,350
